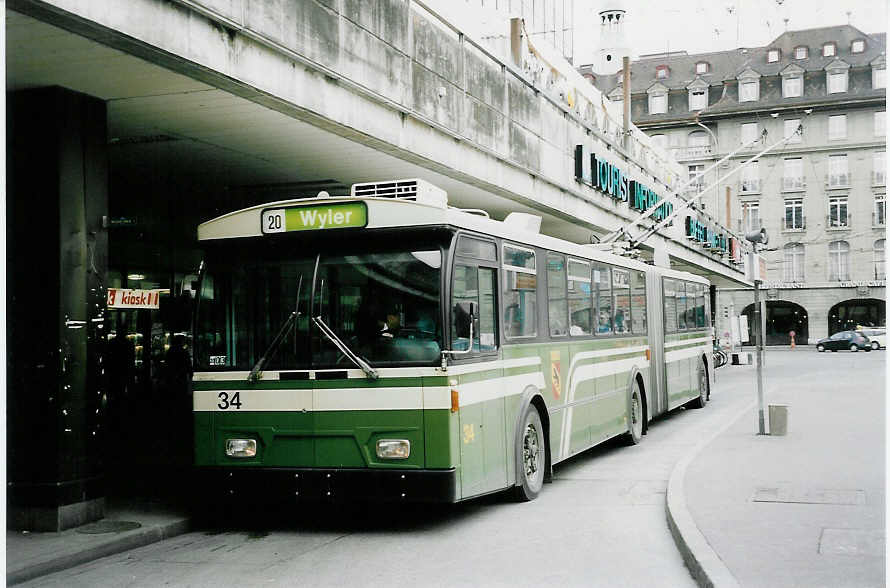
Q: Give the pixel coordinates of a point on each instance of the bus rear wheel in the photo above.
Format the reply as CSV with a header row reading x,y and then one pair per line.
x,y
702,388
635,416
531,450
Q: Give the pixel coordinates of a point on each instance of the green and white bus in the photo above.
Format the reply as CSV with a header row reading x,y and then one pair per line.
x,y
386,346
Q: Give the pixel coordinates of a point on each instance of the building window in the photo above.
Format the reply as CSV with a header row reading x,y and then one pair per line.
x,y
829,50
750,216
662,72
696,178
701,67
880,272
790,130
879,214
658,103
838,174
659,140
749,90
792,86
880,121
794,220
747,132
698,99
749,182
793,262
837,126
837,212
879,169
878,78
698,144
858,46
800,53
837,82
792,175
772,55
838,261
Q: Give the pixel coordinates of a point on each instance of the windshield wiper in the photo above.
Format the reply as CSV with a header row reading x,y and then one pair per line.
x,y
254,374
344,349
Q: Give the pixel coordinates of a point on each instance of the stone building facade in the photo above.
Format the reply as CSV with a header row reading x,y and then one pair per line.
x,y
821,196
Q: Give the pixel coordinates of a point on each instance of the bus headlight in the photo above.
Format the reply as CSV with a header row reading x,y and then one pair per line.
x,y
393,449
241,447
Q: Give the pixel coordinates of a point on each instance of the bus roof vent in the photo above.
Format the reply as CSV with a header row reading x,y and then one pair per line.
x,y
522,221
414,189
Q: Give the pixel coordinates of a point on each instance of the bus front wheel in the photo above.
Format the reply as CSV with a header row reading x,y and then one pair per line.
x,y
531,450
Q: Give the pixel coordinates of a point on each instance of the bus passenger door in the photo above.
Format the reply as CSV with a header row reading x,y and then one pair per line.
x,y
657,390
481,385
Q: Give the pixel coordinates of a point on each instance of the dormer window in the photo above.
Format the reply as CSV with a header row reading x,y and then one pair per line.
x,y
701,67
829,49
662,72
800,52
749,86
658,99
858,46
698,99
772,55
879,72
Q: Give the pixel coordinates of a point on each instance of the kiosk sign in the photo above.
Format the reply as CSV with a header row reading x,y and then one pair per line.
x,y
124,298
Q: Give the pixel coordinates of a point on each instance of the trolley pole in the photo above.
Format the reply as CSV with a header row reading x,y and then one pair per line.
x,y
756,272
761,424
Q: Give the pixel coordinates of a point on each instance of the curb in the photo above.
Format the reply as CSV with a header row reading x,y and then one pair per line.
x,y
706,567
144,536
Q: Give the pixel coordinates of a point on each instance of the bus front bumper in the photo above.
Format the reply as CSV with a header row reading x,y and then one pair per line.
x,y
326,484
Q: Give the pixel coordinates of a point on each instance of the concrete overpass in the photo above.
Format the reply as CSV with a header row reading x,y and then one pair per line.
x,y
296,94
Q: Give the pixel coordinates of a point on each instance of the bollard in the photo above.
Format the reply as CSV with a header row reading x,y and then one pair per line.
x,y
778,419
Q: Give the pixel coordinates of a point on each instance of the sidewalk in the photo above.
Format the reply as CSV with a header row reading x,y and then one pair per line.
x,y
806,509
29,555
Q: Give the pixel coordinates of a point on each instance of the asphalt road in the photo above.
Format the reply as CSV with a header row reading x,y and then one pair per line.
x,y
600,523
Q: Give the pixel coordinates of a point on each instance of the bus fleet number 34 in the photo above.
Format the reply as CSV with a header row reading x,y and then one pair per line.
x,y
225,402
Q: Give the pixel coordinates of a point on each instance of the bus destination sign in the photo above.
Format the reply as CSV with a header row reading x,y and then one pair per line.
x,y
338,215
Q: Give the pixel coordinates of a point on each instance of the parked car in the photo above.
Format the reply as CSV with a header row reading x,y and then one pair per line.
x,y
877,336
852,340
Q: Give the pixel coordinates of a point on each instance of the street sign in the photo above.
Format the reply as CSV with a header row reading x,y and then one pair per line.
x,y
755,267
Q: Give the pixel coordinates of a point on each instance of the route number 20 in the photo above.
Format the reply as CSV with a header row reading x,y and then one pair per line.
x,y
226,403
273,221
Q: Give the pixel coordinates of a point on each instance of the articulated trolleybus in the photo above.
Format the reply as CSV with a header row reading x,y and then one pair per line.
x,y
385,346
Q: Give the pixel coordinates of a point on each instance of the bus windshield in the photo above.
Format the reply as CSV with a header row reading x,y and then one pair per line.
x,y
381,301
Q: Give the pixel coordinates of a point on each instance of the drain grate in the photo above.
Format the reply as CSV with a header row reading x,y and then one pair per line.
x,y
788,494
105,526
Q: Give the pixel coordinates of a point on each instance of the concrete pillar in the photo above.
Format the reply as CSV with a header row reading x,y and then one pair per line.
x,y
57,257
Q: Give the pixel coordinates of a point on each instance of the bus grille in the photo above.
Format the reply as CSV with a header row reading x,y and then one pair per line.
x,y
414,189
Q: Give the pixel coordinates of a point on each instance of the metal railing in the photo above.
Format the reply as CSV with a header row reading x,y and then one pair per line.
x,y
838,221
798,226
746,226
749,186
837,180
791,184
692,152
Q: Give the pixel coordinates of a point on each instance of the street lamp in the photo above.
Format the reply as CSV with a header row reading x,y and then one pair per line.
x,y
758,237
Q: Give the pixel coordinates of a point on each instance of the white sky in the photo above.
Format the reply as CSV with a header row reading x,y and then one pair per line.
x,y
699,26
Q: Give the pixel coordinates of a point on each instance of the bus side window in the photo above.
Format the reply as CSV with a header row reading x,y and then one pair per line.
x,y
520,289
681,305
638,302
579,298
670,305
602,282
621,292
691,293
557,308
700,305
